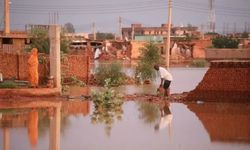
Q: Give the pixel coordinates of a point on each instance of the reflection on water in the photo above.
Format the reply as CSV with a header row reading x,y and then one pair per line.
x,y
192,126
33,127
166,117
107,115
148,112
26,115
224,122
107,107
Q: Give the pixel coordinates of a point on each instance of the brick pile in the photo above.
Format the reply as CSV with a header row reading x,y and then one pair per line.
x,y
225,81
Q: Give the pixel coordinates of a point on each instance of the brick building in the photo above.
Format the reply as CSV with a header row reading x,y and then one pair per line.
x,y
14,42
139,30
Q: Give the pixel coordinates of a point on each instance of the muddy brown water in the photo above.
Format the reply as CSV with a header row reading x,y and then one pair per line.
x,y
137,126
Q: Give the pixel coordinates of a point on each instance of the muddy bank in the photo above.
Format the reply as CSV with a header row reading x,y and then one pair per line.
x,y
155,98
29,92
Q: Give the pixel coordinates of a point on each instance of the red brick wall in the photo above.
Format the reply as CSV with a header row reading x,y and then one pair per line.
x,y
224,81
76,65
199,48
15,66
220,54
8,65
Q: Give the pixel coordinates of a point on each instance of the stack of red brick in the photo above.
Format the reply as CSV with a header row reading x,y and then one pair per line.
x,y
225,81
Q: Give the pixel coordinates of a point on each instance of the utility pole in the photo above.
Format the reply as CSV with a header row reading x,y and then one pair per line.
x,y
133,32
227,28
6,17
235,27
169,31
248,29
120,27
202,31
224,28
211,16
94,31
245,30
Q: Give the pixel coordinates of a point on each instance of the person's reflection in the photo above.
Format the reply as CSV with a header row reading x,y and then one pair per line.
x,y
166,117
33,127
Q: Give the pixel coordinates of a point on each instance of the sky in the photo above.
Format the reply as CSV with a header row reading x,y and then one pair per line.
x,y
230,15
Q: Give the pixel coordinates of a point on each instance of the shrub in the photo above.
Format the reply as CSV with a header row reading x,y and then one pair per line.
x,y
199,63
145,71
108,106
225,42
112,71
8,84
245,35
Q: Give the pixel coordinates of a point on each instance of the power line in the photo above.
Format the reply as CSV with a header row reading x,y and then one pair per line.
x,y
132,9
125,7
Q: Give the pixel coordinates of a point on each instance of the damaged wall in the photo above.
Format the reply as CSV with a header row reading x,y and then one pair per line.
x,y
14,66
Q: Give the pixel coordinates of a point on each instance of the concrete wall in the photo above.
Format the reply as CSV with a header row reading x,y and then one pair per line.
x,y
15,66
215,54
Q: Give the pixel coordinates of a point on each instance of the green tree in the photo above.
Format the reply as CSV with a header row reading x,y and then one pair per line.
x,y
150,57
225,42
245,35
69,28
104,36
40,39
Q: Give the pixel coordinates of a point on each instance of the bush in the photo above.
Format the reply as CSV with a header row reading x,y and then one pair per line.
x,y
108,106
245,35
145,71
199,63
150,57
112,71
8,84
225,42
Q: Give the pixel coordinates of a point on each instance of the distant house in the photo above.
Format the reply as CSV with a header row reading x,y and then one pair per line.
x,y
76,36
180,31
139,30
30,27
14,42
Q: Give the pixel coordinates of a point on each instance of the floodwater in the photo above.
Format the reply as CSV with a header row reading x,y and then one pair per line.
x,y
136,126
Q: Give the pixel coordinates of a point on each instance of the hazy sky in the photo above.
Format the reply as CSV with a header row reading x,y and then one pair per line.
x,y
105,13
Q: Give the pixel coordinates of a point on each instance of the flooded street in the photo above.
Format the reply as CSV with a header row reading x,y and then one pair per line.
x,y
139,125
185,79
